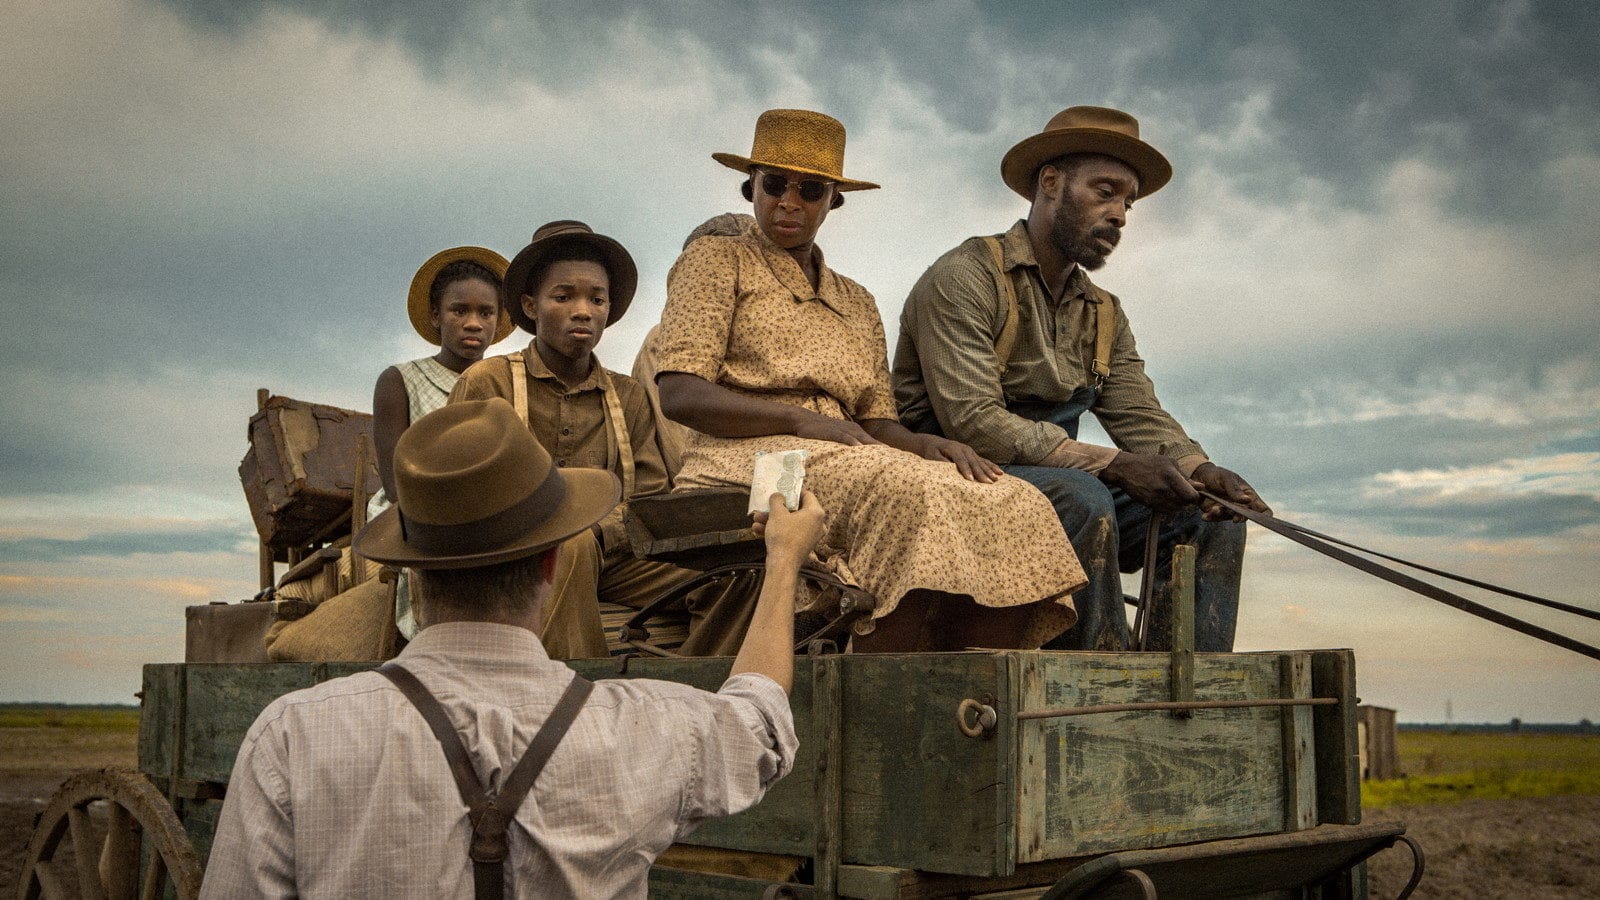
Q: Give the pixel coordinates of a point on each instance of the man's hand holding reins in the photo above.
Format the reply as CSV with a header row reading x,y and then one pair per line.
x,y
1228,485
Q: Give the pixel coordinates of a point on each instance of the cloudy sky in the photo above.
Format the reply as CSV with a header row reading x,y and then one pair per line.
x,y
1371,287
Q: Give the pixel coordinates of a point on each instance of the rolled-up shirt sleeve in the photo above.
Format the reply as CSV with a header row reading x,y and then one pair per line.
x,y
701,295
745,744
960,314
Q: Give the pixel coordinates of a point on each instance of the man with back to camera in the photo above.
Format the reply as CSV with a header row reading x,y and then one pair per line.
x,y
1005,343
357,787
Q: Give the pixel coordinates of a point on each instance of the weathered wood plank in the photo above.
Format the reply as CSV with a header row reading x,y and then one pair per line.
x,y
1333,674
158,706
1144,779
1299,757
222,702
918,793
827,715
682,884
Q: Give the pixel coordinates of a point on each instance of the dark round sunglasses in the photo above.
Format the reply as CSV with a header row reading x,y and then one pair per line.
x,y
810,189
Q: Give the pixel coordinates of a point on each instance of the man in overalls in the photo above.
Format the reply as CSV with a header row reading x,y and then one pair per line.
x,y
1005,343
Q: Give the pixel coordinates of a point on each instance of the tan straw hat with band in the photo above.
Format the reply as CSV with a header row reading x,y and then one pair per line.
x,y
475,487
798,140
548,243
1086,129
417,303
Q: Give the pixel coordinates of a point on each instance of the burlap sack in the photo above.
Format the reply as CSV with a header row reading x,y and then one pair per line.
x,y
355,626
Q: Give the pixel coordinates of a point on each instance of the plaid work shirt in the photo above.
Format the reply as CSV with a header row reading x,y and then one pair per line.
x,y
944,363
341,790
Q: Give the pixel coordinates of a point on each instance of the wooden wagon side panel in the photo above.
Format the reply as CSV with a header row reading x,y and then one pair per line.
x,y
919,794
1129,780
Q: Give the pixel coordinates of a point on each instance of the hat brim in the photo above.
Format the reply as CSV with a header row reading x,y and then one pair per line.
x,y
591,494
744,164
418,308
1023,161
620,269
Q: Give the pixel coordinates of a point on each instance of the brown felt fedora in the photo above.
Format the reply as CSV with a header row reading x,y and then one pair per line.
x,y
475,488
417,302
549,243
1086,129
801,141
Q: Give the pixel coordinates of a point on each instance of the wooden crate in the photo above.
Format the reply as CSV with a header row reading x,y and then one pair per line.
x,y
908,789
299,472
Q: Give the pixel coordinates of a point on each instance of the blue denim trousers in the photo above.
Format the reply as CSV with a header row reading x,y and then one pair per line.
x,y
1108,530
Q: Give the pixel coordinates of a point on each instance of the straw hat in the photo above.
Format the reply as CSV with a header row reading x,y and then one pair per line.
x,y
1086,129
548,243
475,488
417,305
798,140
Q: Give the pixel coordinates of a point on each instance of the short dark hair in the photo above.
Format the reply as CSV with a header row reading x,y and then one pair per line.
x,y
747,190
460,270
570,253
482,591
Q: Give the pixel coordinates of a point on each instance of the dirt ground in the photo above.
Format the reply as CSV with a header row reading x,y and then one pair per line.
x,y
1547,847
33,761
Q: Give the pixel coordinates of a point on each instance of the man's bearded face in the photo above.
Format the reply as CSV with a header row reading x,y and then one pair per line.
x,y
1078,237
1095,196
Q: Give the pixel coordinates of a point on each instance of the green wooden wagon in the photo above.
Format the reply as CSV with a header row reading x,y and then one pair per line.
x,y
976,774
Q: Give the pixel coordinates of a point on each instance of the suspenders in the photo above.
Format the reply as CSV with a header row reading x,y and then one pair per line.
x,y
621,445
491,814
1105,323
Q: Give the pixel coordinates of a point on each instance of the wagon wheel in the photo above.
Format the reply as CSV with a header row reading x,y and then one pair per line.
x,y
106,814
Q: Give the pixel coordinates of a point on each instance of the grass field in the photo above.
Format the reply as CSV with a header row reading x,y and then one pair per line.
x,y
49,742
1444,767
92,718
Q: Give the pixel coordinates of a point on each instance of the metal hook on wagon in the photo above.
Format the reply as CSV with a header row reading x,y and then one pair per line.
x,y
982,720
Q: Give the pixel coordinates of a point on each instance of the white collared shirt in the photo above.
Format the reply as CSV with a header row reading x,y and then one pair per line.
x,y
340,790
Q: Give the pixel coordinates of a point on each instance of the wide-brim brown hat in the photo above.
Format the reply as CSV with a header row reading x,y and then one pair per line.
x,y
1086,129
475,487
798,140
549,243
418,307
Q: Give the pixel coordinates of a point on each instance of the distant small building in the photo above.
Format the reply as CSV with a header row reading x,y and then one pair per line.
x,y
1375,734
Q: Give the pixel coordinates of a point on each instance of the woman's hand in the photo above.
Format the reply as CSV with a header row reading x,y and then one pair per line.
x,y
818,427
971,466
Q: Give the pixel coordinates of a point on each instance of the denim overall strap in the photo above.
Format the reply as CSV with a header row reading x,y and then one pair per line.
x,y
1065,413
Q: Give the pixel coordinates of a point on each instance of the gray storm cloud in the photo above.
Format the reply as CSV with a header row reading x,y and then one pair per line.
x,y
1497,91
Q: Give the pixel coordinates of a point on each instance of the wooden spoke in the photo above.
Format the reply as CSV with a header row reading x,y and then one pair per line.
x,y
141,830
51,887
119,861
155,879
85,852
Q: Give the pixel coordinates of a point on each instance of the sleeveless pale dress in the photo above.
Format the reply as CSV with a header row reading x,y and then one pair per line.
x,y
428,385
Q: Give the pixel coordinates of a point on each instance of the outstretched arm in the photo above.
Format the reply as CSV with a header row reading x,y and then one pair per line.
x,y
768,647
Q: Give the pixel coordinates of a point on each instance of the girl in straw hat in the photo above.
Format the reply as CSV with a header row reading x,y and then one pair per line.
x,y
764,348
454,303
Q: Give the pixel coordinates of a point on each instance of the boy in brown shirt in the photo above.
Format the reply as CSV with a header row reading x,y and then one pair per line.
x,y
566,287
